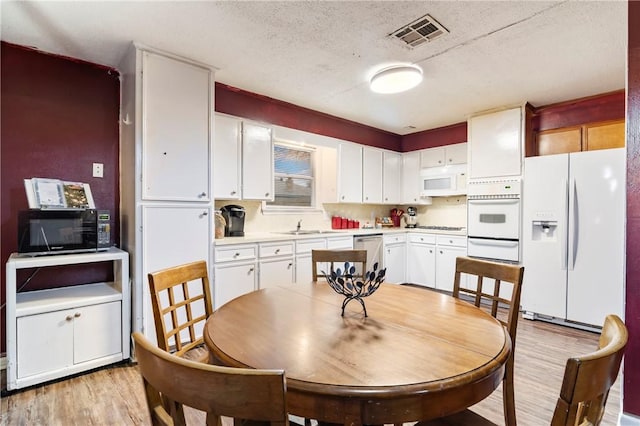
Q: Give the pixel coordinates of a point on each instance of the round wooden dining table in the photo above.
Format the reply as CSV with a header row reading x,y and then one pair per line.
x,y
418,355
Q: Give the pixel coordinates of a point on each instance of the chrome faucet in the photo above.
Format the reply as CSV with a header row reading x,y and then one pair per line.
x,y
298,226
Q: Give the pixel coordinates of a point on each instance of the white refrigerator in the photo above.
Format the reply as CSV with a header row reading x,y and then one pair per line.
x,y
573,236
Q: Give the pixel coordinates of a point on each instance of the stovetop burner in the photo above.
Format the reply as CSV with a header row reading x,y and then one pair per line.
x,y
442,228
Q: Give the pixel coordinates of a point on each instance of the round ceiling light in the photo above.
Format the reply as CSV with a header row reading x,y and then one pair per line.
x,y
396,78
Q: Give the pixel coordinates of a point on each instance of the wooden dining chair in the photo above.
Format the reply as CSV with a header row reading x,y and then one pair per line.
x,y
489,299
588,378
585,386
171,382
333,259
181,301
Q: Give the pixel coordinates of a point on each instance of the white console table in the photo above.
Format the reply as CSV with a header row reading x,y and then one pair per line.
x,y
57,332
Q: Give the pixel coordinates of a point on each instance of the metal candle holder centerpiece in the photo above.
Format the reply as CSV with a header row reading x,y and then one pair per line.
x,y
355,287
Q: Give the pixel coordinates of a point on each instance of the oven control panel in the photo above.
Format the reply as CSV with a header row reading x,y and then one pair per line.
x,y
494,189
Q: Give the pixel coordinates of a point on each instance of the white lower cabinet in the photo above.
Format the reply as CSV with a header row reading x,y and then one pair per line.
x,y
68,337
235,272
421,260
57,332
303,257
276,264
448,248
394,258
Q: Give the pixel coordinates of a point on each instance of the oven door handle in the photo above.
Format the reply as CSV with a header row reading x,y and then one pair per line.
x,y
493,243
495,201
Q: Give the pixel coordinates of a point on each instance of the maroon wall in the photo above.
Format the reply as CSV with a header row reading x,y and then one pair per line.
x,y
607,106
58,117
631,403
455,133
249,105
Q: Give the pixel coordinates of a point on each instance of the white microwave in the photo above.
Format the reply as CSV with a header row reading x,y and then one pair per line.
x,y
443,181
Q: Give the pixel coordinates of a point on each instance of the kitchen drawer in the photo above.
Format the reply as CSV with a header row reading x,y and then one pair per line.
x,y
236,252
422,238
395,238
451,240
305,246
281,248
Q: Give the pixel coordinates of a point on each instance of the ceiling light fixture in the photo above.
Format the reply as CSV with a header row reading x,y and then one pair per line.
x,y
396,78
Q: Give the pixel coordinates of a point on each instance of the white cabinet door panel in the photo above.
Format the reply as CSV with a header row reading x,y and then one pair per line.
x,y
392,178
226,158
349,173
371,176
45,342
233,279
97,331
171,235
176,125
495,144
257,162
274,272
421,264
446,266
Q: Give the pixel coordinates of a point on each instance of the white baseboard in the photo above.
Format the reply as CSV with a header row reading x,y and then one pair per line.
x,y
628,420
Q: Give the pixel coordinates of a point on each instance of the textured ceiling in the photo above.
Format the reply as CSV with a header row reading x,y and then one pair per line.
x,y
319,54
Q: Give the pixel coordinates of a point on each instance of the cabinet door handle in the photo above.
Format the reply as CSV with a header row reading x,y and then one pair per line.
x,y
440,251
430,251
251,269
233,192
69,318
77,314
277,251
289,265
205,213
202,194
266,194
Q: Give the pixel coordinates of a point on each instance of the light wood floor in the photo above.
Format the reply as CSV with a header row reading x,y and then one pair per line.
x,y
114,395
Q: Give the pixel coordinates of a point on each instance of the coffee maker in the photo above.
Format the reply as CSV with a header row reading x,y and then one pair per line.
x,y
234,216
410,217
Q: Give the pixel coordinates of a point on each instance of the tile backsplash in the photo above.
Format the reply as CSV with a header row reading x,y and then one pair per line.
x,y
445,211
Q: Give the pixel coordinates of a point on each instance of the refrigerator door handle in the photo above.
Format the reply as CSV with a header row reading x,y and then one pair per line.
x,y
576,223
573,224
565,236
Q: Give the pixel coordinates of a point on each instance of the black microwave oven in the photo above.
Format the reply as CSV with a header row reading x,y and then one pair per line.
x,y
43,232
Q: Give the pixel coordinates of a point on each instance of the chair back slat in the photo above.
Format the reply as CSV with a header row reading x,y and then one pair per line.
x,y
172,382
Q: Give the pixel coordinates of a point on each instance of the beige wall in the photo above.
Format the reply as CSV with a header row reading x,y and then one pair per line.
x,y
446,211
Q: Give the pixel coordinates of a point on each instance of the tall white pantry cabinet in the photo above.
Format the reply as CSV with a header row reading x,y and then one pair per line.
x,y
166,177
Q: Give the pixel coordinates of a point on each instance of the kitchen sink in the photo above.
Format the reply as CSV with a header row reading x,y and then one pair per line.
x,y
306,232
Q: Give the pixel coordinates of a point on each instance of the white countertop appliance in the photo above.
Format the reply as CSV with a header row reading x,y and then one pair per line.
x,y
493,219
573,237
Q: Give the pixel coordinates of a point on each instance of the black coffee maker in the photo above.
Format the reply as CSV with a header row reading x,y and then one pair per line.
x,y
234,215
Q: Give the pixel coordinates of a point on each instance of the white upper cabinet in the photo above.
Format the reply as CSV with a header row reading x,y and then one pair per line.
x,y
392,177
371,176
411,184
349,173
257,162
496,144
227,157
175,137
444,155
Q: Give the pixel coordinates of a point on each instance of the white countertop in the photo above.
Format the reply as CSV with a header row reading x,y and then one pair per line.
x,y
258,237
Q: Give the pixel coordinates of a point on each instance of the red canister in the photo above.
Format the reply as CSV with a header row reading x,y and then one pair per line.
x,y
344,223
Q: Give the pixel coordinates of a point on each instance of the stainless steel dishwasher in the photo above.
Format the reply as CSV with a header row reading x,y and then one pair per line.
x,y
372,243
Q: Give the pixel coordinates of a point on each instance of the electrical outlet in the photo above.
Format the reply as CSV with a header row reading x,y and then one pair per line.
x,y
98,170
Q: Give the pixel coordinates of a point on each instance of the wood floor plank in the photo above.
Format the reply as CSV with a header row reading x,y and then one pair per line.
x,y
114,395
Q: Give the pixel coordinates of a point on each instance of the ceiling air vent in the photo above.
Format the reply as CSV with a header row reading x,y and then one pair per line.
x,y
419,31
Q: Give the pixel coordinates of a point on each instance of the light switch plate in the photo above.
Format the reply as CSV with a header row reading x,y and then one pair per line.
x,y
98,170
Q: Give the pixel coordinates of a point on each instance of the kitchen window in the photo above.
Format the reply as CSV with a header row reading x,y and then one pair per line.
x,y
294,179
